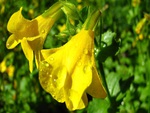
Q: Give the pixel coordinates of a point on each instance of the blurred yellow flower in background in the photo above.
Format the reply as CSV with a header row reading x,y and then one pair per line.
x,y
3,66
141,37
140,25
2,6
135,2
61,27
8,69
69,72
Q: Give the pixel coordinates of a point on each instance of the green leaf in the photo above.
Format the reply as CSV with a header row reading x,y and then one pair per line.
x,y
108,51
147,70
108,46
113,84
108,37
70,10
71,29
98,106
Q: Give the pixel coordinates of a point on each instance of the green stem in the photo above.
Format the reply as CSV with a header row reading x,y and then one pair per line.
x,y
53,9
92,20
104,81
101,26
57,15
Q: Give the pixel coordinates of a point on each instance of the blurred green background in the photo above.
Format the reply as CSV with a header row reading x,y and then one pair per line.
x,y
123,60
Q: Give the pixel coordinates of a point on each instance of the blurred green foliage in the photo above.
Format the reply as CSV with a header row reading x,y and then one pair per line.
x,y
122,55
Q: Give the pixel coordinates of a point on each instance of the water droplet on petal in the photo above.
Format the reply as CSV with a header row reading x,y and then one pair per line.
x,y
47,73
86,69
44,64
86,51
7,45
79,63
43,31
45,70
50,76
11,43
54,83
51,58
55,78
47,64
92,50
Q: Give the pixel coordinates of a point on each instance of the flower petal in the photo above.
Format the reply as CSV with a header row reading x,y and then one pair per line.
x,y
96,88
28,52
53,80
47,52
25,28
12,42
81,79
83,102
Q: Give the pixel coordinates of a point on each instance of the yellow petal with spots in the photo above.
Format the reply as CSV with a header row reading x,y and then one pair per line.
x,y
28,53
53,80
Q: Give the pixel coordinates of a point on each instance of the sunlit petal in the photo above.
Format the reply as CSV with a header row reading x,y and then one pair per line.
x,y
12,42
53,80
28,53
96,88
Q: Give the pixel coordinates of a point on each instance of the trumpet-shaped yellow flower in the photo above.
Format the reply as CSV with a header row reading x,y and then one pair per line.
x,y
69,72
31,33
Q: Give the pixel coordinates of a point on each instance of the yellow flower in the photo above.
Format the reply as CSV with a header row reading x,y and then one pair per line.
x,y
140,25
79,1
62,27
135,2
31,33
141,37
79,6
10,71
69,72
3,66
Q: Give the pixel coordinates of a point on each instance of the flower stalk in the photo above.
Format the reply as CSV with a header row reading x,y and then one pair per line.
x,y
53,9
92,20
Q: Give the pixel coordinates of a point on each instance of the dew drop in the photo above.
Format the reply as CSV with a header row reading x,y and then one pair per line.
x,y
44,64
92,50
45,70
79,63
50,76
85,51
86,69
43,31
54,82
47,64
55,78
7,45
51,58
47,73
